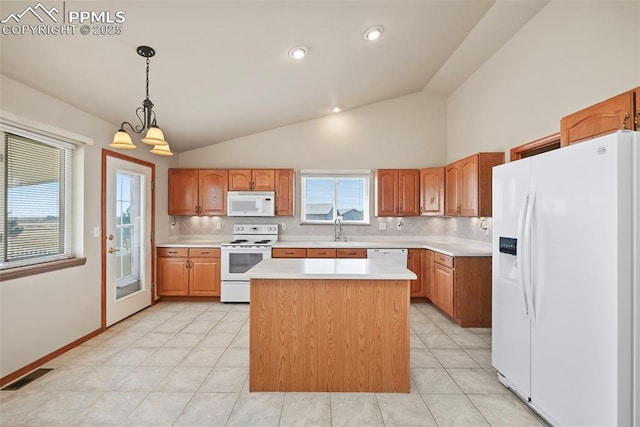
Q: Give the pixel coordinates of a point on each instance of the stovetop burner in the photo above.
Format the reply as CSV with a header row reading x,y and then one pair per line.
x,y
262,242
238,241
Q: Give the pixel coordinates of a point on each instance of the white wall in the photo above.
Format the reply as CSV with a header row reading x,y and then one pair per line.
x,y
405,132
569,56
42,313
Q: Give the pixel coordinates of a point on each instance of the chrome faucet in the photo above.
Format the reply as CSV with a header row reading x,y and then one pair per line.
x,y
337,229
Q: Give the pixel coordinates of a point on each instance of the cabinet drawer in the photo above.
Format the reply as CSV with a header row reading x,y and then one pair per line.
x,y
443,259
351,253
288,252
173,252
321,253
204,252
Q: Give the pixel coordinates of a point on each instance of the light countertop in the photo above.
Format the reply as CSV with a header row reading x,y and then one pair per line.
x,y
452,247
332,268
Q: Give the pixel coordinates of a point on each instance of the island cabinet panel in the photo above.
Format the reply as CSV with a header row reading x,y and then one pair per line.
x,y
329,335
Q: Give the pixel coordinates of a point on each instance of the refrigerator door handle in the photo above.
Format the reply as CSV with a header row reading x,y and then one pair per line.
x,y
519,253
528,256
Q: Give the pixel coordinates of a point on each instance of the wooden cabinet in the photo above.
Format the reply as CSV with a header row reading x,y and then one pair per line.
x,y
428,274
197,192
468,185
188,271
318,253
415,259
617,113
284,179
432,191
461,288
398,192
288,253
351,253
321,253
251,180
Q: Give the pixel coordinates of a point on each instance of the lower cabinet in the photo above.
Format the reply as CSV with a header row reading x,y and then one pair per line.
x,y
415,260
189,272
461,288
428,274
318,253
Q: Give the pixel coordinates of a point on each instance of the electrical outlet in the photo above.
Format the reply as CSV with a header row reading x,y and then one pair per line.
x,y
382,226
218,226
283,226
96,231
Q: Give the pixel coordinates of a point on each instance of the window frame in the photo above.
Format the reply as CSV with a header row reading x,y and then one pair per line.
x,y
335,175
47,263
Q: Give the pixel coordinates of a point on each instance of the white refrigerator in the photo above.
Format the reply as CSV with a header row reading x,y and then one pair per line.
x,y
565,281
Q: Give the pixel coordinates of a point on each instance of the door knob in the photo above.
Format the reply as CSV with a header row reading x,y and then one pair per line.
x,y
112,250
110,237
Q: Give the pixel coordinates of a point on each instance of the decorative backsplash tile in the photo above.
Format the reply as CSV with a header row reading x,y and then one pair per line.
x,y
465,228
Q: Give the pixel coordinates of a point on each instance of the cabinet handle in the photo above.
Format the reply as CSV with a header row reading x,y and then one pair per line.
x,y
204,252
288,253
624,121
173,252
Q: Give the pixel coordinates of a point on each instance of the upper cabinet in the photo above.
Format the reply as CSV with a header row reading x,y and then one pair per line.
x,y
284,179
617,113
251,180
197,192
398,192
468,185
432,191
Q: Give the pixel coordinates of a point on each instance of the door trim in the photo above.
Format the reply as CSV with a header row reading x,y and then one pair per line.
x,y
103,225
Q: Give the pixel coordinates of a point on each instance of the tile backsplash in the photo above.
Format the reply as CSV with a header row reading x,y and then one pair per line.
x,y
464,228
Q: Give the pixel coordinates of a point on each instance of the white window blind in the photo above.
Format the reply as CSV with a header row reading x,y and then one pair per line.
x,y
35,220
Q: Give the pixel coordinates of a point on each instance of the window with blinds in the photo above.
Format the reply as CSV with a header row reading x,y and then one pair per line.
x,y
330,196
35,220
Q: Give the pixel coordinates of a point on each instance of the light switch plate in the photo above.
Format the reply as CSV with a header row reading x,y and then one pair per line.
x,y
96,231
219,226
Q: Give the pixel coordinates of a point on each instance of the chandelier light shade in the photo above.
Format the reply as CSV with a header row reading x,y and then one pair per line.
x,y
147,118
162,150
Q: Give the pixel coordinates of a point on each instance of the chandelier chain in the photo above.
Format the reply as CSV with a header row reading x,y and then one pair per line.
x,y
147,80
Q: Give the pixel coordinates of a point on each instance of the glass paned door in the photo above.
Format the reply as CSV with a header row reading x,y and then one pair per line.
x,y
128,238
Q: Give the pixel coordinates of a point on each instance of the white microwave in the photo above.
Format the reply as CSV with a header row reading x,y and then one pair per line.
x,y
251,203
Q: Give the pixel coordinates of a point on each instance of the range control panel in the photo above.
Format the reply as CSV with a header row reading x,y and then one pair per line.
x,y
508,245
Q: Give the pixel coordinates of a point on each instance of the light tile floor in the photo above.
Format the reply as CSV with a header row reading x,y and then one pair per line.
x,y
186,364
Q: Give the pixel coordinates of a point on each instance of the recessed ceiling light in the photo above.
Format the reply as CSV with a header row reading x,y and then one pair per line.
x,y
373,33
336,108
298,52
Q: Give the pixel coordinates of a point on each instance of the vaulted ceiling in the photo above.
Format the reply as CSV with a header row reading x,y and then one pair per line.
x,y
222,68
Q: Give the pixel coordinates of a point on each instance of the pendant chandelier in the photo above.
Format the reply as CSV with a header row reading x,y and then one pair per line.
x,y
147,117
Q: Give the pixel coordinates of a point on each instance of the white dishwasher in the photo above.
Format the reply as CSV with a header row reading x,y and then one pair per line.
x,y
398,255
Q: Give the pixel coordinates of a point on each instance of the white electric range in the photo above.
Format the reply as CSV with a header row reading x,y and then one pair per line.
x,y
252,243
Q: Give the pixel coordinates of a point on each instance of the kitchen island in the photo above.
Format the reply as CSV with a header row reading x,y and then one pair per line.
x,y
329,325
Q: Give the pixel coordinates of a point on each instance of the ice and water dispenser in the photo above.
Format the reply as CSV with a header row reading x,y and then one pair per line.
x,y
508,248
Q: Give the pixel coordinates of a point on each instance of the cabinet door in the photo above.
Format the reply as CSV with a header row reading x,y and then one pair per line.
x,y
213,191
605,117
468,196
183,192
288,253
263,180
432,191
173,276
321,253
204,277
387,183
351,253
443,288
408,192
239,179
284,192
414,263
452,189
428,274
